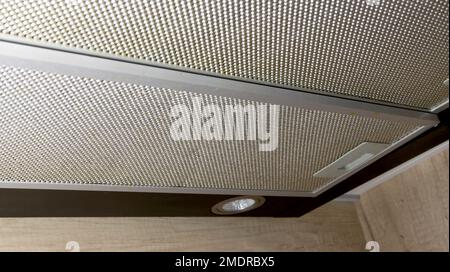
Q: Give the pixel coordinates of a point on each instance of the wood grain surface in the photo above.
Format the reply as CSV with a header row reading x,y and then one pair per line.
x,y
410,212
333,227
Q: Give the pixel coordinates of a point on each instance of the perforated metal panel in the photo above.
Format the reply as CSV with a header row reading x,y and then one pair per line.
x,y
57,128
385,51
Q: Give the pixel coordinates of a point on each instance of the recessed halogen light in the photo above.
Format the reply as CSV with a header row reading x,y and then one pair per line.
x,y
237,205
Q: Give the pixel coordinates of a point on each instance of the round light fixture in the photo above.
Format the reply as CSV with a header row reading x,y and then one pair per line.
x,y
237,205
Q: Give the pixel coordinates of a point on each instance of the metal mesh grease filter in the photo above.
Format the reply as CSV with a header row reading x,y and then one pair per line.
x,y
381,50
63,129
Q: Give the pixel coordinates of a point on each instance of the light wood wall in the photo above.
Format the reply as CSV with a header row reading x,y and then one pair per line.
x,y
410,212
333,227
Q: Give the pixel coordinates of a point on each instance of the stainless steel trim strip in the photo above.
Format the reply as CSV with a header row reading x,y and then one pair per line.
x,y
86,66
24,41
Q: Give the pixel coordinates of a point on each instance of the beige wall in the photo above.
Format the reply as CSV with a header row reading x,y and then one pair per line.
x,y
332,227
410,212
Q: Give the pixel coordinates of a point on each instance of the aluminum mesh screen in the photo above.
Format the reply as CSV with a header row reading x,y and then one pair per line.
x,y
388,51
65,129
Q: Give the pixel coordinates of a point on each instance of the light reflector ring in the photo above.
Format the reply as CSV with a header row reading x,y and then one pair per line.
x,y
238,205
